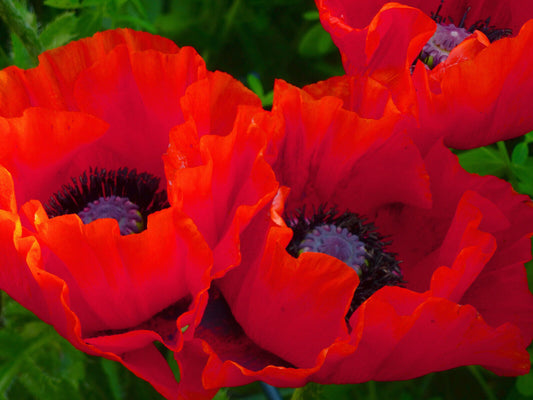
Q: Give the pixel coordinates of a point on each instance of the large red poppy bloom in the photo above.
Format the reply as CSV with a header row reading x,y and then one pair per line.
x,y
475,97
109,102
288,320
458,247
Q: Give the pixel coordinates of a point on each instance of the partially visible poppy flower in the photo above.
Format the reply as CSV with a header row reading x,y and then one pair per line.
x,y
474,96
89,241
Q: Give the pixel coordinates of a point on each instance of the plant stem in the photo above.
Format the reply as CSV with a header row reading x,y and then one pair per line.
x,y
311,391
481,380
505,154
270,391
2,322
373,390
15,21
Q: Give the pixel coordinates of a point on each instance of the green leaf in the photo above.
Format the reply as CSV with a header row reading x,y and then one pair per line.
x,y
524,383
311,15
520,153
528,137
311,391
524,176
133,22
111,369
10,370
483,161
60,31
64,4
268,99
254,83
316,42
222,394
20,55
173,364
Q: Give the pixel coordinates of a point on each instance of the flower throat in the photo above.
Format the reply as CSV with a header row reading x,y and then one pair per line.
x,y
351,239
448,36
123,194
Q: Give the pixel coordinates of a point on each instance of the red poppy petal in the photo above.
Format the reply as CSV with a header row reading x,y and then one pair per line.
x,y
463,338
161,97
8,202
301,300
386,48
149,364
466,50
232,359
224,193
213,103
508,216
428,239
109,90
393,343
43,141
472,252
503,295
45,136
96,259
51,83
323,161
17,278
366,96
192,360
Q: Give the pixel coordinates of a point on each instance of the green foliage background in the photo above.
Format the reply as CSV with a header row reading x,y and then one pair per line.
x,y
256,41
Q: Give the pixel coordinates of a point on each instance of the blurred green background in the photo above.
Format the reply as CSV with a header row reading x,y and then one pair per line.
x,y
256,41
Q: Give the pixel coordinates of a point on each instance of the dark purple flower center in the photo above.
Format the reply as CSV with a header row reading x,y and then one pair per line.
x,y
448,35
124,195
351,239
337,242
121,209
438,48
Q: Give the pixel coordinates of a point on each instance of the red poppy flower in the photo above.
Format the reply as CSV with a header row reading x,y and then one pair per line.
x,y
474,97
88,242
288,315
473,231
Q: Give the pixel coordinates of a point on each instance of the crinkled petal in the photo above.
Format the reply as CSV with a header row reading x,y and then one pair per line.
x,y
398,334
283,297
51,84
97,259
213,103
384,46
229,186
326,154
432,238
